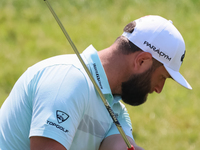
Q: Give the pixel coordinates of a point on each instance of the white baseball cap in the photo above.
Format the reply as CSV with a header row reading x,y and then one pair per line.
x,y
160,37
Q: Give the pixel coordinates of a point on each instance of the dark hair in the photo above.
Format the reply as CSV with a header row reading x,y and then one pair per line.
x,y
126,47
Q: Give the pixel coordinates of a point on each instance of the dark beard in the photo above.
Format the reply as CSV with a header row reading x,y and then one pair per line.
x,y
136,89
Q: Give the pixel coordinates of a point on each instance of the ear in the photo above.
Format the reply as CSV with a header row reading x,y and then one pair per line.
x,y
143,61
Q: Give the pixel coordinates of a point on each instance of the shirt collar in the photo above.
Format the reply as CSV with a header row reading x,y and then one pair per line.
x,y
97,70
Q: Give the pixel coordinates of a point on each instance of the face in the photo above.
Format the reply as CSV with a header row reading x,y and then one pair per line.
x,y
159,77
137,88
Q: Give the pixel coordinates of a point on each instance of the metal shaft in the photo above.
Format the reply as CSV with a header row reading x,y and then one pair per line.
x,y
115,120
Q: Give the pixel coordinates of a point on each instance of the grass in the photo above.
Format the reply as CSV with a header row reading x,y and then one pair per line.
x,y
29,33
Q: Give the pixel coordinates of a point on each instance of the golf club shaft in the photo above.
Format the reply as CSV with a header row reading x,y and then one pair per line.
x,y
91,77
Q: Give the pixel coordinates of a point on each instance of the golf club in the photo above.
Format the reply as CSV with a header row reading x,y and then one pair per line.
x,y
115,120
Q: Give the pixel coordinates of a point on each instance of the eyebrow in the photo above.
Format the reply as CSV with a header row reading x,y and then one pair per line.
x,y
169,76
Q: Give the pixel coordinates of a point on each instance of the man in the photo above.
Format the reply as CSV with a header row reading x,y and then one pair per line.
x,y
54,104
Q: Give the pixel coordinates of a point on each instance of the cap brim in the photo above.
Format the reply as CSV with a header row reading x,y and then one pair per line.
x,y
178,77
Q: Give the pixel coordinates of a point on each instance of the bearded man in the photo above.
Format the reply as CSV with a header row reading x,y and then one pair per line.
x,y
54,105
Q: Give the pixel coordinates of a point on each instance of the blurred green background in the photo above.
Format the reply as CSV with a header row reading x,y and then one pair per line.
x,y
29,33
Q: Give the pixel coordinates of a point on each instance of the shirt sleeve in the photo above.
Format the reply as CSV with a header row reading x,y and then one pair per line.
x,y
124,120
59,100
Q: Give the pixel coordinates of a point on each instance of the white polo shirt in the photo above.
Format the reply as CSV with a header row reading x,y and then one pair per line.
x,y
56,99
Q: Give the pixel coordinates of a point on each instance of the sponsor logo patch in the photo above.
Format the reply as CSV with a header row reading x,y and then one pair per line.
x,y
57,126
157,50
97,75
61,117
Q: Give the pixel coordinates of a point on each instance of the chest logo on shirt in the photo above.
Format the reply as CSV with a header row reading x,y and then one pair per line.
x,y
61,116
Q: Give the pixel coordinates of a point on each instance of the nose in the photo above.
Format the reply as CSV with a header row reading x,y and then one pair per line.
x,y
158,88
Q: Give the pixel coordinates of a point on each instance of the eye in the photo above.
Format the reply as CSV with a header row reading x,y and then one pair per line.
x,y
163,77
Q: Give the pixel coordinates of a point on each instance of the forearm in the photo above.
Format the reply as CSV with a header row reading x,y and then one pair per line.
x,y
116,142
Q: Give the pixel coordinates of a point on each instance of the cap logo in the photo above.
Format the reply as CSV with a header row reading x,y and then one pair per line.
x,y
160,53
182,57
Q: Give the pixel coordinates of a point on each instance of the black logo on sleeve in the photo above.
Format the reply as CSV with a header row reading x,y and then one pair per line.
x,y
61,116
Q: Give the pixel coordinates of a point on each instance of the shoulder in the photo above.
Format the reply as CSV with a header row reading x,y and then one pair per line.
x,y
65,79
60,83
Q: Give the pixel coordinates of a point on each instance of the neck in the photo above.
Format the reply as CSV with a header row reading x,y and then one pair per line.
x,y
115,66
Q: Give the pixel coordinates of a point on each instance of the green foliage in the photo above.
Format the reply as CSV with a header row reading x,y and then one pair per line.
x,y
29,33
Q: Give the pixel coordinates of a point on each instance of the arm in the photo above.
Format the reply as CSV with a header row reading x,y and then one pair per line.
x,y
42,143
50,100
116,142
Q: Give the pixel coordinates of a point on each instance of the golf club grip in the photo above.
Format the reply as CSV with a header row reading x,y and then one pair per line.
x,y
91,78
132,148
